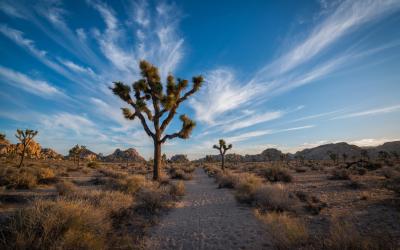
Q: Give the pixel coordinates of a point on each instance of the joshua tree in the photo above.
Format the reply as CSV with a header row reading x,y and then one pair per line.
x,y
345,156
383,155
222,150
25,137
149,89
76,152
364,154
333,156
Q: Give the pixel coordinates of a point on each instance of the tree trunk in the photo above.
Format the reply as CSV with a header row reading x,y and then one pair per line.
x,y
78,160
156,160
223,162
22,156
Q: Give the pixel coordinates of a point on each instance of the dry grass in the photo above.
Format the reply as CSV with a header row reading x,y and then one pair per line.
x,y
177,189
273,198
276,174
287,232
246,187
344,235
181,172
227,179
65,187
57,224
340,174
212,170
18,178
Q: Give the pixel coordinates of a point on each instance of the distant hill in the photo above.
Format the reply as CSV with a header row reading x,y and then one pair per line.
x,y
129,154
321,152
316,153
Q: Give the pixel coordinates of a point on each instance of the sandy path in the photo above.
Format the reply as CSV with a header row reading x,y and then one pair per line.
x,y
208,218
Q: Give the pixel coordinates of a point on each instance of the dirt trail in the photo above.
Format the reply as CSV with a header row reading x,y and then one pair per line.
x,y
208,218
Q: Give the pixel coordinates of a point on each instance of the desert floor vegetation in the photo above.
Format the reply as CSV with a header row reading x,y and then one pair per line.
x,y
322,206
48,204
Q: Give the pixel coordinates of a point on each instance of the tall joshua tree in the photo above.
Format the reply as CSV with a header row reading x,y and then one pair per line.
x,y
149,90
25,138
222,147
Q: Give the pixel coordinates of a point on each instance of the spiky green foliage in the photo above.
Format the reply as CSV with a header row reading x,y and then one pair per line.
x,y
222,148
76,152
149,90
25,138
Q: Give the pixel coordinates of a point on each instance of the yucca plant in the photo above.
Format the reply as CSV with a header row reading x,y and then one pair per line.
x,y
150,90
25,138
222,148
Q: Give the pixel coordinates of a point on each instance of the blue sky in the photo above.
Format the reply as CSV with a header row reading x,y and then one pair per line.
x,y
285,74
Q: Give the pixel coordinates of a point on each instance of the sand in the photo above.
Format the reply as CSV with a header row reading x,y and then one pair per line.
x,y
208,218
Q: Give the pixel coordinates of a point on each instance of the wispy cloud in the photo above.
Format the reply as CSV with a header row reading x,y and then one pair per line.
x,y
296,67
222,93
253,120
369,112
257,133
22,81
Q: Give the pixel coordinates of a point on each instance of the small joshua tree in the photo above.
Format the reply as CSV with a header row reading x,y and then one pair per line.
x,y
76,152
364,154
333,156
25,138
149,89
222,150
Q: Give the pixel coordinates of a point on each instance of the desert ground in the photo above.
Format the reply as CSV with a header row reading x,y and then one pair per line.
x,y
53,204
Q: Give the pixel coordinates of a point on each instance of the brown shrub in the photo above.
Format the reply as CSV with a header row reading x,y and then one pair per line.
x,y
246,187
177,189
301,169
65,187
344,235
46,176
340,174
130,185
275,174
55,224
227,180
212,170
287,232
273,198
14,178
150,201
177,173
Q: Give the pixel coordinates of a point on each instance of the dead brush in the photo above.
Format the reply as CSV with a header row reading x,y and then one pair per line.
x,y
273,198
287,232
246,187
276,174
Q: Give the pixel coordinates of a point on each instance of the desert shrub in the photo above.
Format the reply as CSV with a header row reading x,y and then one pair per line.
x,y
212,170
361,171
177,173
14,178
56,224
246,187
130,185
301,169
177,189
272,198
275,174
163,179
389,173
46,176
287,232
65,187
150,201
93,164
113,173
354,184
227,180
109,201
344,235
303,196
340,174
